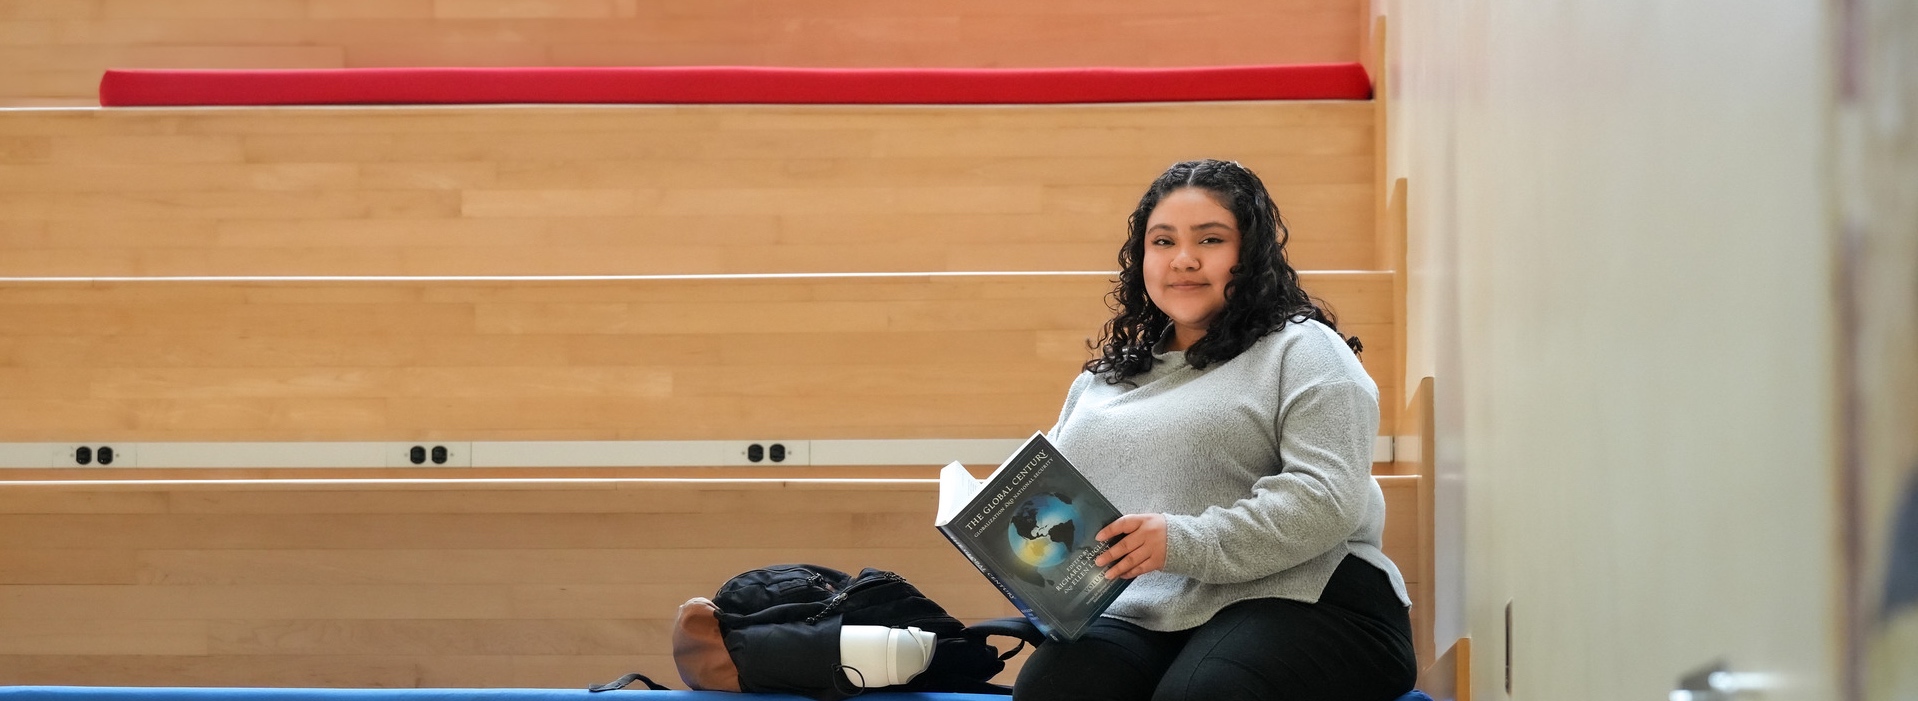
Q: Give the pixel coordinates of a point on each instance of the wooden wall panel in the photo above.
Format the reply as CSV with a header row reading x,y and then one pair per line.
x,y
548,585
1416,456
541,584
459,584
1449,677
647,359
1401,537
53,51
642,190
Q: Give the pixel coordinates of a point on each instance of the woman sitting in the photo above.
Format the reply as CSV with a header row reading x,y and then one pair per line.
x,y
1234,425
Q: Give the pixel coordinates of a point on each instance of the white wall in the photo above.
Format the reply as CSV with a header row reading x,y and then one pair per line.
x,y
1621,280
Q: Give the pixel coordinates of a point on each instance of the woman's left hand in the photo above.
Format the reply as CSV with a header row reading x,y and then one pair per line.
x,y
1142,549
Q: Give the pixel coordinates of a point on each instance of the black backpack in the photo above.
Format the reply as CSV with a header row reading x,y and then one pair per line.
x,y
776,629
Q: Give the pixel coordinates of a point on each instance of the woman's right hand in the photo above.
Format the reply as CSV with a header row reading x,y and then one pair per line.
x,y
1142,549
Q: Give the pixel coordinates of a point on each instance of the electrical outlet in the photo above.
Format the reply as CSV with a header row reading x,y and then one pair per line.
x,y
768,453
429,454
96,455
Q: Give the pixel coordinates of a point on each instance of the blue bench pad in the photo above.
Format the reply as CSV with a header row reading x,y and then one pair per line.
x,y
179,693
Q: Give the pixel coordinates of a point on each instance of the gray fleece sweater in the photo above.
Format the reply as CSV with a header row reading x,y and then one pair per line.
x,y
1261,464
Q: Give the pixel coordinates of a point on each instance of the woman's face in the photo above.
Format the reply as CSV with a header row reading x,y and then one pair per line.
x,y
1191,244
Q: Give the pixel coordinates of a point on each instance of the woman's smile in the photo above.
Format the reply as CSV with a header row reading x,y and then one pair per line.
x,y
1191,246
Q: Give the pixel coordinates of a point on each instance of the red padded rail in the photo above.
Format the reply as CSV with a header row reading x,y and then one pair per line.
x,y
730,85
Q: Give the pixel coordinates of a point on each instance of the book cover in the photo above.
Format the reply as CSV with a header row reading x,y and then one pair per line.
x,y
1029,528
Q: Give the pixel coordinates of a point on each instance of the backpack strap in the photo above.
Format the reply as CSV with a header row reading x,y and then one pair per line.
x,y
621,683
1010,626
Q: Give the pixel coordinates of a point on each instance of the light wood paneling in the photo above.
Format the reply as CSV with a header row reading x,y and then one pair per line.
x,y
1392,242
642,190
556,585
1449,678
647,359
54,50
1416,456
81,636
543,584
1401,539
536,583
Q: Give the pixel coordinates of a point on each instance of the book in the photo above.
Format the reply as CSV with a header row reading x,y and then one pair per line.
x,y
1029,528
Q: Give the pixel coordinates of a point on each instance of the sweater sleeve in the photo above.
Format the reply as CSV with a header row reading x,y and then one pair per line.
x,y
1319,498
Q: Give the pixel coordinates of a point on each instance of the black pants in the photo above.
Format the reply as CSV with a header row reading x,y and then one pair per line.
x,y
1354,645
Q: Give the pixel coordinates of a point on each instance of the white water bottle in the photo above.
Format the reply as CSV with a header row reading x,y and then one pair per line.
x,y
876,656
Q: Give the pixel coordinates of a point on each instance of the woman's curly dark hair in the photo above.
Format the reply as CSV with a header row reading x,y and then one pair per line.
x,y
1264,294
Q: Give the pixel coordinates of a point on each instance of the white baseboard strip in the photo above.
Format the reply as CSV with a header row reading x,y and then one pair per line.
x,y
344,454
932,452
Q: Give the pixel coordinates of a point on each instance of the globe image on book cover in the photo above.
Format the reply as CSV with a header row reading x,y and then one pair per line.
x,y
1032,529
1045,529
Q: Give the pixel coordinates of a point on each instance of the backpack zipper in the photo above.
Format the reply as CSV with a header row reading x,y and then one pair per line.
x,y
839,598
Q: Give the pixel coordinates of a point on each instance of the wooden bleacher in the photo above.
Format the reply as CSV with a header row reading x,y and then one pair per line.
x,y
631,190
490,190
913,357
52,51
452,581
431,583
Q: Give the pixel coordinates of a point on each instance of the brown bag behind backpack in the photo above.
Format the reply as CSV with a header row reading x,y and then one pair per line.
x,y
699,650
